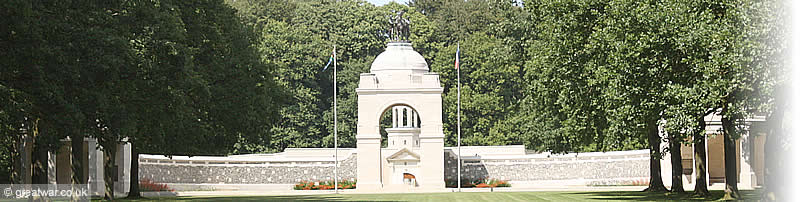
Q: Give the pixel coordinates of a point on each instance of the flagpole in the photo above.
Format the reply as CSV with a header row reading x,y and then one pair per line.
x,y
458,72
335,130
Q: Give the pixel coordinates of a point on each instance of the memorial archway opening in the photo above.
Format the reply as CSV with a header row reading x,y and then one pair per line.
x,y
398,117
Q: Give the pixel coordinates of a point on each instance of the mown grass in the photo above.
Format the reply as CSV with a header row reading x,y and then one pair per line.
x,y
473,196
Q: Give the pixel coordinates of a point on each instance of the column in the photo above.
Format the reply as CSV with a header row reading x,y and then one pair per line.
x,y
416,121
96,181
369,163
368,143
123,159
666,160
747,176
431,139
408,116
394,117
708,175
51,168
26,154
413,119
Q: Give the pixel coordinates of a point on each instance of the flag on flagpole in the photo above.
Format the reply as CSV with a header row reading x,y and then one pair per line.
x,y
332,59
458,79
458,49
329,62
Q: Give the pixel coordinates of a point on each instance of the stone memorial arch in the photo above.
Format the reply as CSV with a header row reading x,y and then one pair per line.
x,y
399,82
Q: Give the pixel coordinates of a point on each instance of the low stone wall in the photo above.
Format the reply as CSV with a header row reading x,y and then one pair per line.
x,y
596,168
242,172
589,167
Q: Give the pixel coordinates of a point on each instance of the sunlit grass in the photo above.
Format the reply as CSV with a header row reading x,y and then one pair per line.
x,y
473,196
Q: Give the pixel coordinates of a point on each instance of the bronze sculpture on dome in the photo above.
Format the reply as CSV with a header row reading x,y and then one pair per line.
x,y
398,27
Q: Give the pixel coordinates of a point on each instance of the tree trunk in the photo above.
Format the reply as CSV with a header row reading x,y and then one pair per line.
x,y
654,141
77,158
16,161
677,164
729,145
701,185
39,164
109,160
134,193
39,157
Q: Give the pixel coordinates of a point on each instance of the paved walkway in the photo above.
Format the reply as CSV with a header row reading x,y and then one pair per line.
x,y
350,191
542,188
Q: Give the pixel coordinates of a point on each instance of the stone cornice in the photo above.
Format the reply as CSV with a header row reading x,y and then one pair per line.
x,y
362,91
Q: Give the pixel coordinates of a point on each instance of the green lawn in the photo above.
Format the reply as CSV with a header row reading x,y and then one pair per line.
x,y
472,196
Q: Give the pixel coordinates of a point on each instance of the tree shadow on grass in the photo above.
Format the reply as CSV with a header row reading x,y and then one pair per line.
x,y
747,195
304,198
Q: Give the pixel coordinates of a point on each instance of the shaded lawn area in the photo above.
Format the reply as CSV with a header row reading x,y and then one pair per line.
x,y
474,196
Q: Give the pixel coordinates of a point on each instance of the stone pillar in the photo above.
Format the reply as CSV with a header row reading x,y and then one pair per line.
x,y
747,176
666,159
64,163
431,139
123,162
96,181
368,145
394,117
25,155
416,120
408,116
51,168
369,162
708,170
431,162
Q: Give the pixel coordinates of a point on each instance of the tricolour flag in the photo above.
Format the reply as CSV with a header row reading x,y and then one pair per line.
x,y
458,49
329,62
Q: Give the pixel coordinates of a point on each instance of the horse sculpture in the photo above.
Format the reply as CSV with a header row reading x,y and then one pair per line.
x,y
398,27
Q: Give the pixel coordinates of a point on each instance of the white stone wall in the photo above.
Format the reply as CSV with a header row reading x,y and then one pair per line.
x,y
589,168
242,172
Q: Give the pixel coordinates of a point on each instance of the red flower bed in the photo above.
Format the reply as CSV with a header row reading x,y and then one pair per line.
x,y
304,185
149,185
482,185
477,183
324,185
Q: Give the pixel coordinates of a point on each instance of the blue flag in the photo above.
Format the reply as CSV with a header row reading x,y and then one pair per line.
x,y
329,63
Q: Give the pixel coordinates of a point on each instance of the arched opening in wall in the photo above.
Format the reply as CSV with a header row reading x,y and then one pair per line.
x,y
398,116
409,179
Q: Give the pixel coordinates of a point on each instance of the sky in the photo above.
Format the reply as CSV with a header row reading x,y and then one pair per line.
x,y
382,2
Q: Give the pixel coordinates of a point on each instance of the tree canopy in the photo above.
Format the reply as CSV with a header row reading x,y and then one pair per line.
x,y
213,77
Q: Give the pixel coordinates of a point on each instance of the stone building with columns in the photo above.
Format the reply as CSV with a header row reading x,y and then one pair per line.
x,y
749,154
59,165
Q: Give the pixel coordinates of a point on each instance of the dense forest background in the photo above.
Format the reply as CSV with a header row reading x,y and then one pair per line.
x,y
552,75
213,77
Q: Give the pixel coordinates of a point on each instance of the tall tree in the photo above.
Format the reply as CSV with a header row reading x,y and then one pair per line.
x,y
201,69
753,73
640,62
561,74
767,36
179,77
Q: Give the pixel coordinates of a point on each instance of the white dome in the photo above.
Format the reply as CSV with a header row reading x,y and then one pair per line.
x,y
399,56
